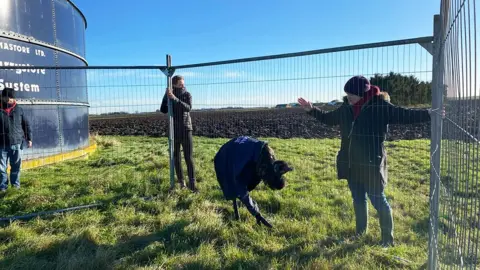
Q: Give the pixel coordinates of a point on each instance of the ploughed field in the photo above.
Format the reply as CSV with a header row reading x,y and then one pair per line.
x,y
280,123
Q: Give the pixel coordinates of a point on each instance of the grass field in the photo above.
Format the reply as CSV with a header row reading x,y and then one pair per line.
x,y
311,217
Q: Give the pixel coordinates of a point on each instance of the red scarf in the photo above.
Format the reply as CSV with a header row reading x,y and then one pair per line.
x,y
10,107
357,107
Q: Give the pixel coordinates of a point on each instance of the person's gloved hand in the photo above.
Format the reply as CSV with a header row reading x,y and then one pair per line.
x,y
262,220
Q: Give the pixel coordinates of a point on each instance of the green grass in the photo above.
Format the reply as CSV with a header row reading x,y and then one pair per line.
x,y
311,216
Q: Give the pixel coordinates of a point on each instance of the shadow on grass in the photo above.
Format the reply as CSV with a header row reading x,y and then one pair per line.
x,y
18,206
82,251
420,227
294,253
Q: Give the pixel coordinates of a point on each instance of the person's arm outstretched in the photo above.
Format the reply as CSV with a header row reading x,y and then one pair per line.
x,y
400,115
330,118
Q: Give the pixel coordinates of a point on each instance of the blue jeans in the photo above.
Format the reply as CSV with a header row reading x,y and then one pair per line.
x,y
379,202
14,155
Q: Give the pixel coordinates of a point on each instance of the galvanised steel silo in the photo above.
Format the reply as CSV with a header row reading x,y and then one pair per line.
x,y
45,33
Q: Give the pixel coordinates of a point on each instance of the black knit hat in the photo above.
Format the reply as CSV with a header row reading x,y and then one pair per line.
x,y
357,85
8,92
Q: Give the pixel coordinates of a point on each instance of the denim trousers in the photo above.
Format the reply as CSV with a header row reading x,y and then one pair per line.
x,y
379,201
12,155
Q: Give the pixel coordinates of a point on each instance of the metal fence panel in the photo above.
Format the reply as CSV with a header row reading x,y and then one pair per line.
x,y
459,206
256,97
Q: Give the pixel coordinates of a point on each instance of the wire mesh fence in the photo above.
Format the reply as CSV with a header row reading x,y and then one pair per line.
x,y
459,208
260,99
59,102
120,109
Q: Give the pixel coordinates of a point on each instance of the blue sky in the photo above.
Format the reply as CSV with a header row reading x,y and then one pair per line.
x,y
120,33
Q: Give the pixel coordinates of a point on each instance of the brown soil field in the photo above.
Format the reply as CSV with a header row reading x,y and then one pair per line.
x,y
279,123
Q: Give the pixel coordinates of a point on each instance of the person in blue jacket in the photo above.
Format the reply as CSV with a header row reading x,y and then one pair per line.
x,y
241,164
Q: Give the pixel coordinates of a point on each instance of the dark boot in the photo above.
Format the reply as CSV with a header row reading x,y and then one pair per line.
x,y
386,226
387,243
191,185
181,184
361,218
235,209
385,217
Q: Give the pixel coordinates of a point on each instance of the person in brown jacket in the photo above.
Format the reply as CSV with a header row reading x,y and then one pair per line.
x,y
182,128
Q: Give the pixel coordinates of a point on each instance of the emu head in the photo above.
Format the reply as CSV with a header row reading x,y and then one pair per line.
x,y
272,171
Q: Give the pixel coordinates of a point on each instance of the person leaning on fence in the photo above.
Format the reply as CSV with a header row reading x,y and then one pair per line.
x,y
182,129
363,120
15,129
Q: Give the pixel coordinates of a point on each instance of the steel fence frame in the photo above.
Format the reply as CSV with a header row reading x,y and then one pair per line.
x,y
450,245
435,45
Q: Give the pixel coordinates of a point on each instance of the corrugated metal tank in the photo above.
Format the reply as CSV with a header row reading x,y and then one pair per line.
x,y
46,33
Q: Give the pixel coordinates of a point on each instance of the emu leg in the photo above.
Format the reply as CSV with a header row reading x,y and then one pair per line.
x,y
235,209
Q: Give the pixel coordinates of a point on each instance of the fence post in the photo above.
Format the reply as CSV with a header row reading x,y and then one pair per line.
x,y
436,137
170,72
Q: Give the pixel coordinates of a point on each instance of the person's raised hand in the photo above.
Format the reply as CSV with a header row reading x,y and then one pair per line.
x,y
306,105
169,93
